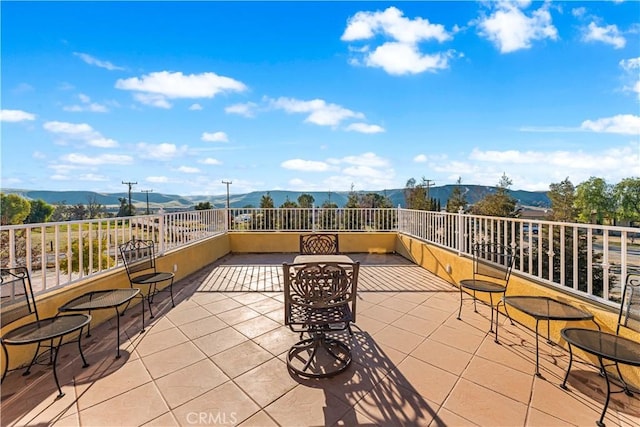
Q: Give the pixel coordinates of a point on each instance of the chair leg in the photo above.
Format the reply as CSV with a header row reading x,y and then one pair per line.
x,y
491,308
142,304
35,356
566,375
173,304
84,361
55,371
460,308
475,307
600,422
627,391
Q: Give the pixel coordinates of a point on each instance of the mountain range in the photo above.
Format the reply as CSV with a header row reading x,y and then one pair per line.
x,y
172,202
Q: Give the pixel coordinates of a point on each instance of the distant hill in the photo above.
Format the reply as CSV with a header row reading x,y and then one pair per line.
x,y
172,202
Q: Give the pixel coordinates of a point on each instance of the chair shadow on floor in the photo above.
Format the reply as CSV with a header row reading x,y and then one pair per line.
x,y
590,383
35,394
378,394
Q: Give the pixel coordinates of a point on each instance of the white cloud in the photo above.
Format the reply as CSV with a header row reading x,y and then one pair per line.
x,y
247,109
214,137
16,116
367,159
510,29
319,112
305,165
156,88
157,179
80,132
626,124
608,34
534,170
392,23
420,158
400,53
210,161
195,107
188,169
164,151
83,159
578,12
152,99
364,128
400,58
92,177
630,66
97,62
86,105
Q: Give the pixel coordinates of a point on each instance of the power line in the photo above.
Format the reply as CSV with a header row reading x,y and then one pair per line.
x,y
130,184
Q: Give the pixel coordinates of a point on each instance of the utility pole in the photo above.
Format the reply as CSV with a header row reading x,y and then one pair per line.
x,y
228,211
428,183
147,191
130,184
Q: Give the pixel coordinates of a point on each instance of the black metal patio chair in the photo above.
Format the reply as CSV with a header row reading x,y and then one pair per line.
x,y
139,259
19,305
492,264
319,244
320,299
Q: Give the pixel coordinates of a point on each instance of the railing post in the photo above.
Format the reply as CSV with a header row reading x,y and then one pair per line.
x,y
460,242
313,218
162,233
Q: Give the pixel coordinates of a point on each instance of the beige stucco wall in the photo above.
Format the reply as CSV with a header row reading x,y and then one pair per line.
x,y
444,263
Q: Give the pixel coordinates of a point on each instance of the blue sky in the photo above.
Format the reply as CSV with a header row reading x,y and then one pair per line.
x,y
317,96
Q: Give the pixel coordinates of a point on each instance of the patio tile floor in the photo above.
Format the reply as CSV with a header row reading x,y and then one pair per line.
x,y
217,358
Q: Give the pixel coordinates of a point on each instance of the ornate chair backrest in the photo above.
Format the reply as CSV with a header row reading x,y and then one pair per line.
x,y
316,285
17,295
493,261
319,244
629,316
138,256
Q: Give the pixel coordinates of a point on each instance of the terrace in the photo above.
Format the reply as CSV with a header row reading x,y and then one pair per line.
x,y
218,356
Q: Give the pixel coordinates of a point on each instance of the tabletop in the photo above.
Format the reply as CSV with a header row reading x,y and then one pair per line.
x,y
301,259
547,308
100,299
609,346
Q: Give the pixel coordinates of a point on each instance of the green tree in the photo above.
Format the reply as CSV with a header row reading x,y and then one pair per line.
x,y
77,212
13,209
594,201
415,195
500,203
627,197
203,206
99,260
94,208
290,220
125,209
306,200
457,199
268,220
329,219
60,212
40,212
562,196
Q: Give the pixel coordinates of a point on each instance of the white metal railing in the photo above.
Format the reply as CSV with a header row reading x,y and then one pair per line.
x,y
585,259
61,253
313,219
